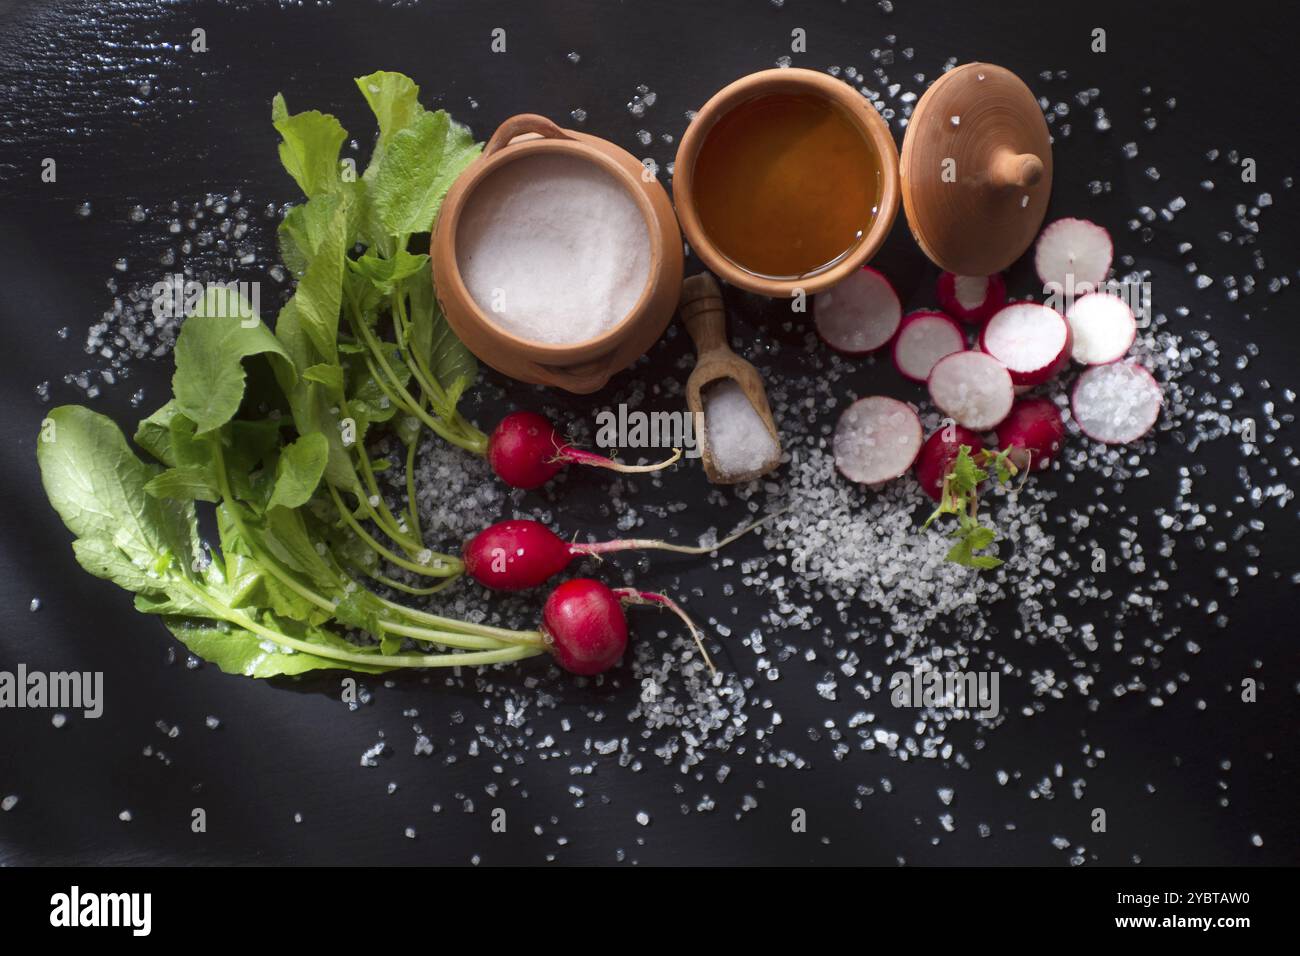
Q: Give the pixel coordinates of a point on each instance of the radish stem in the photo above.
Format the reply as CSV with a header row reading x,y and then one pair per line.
x,y
654,544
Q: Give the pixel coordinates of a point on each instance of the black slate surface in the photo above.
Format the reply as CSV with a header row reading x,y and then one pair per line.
x,y
69,76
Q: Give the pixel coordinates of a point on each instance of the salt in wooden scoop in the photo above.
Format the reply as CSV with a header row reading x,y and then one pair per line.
x,y
741,454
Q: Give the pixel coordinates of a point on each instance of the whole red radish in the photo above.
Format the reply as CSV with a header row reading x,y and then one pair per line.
x,y
972,299
1035,432
526,451
517,554
939,452
584,626
586,630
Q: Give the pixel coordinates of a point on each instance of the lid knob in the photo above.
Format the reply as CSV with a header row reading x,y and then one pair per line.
x,y
1015,169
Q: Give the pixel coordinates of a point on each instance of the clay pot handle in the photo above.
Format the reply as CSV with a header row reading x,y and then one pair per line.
x,y
517,126
703,314
581,379
1010,168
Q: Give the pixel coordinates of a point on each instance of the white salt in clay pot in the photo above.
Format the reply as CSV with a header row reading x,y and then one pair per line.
x,y
579,367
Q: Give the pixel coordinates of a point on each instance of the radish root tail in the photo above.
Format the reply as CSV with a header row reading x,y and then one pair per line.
x,y
633,596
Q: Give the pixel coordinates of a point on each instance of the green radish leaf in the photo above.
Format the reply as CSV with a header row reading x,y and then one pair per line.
x,y
97,486
299,471
387,274
260,587
310,147
106,560
394,99
451,363
328,376
408,428
317,301
186,483
239,651
153,434
214,341
287,538
415,170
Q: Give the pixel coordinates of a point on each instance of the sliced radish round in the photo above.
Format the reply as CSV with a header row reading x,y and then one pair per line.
x,y
1071,252
1034,431
876,439
972,299
1031,340
923,339
1116,403
1104,328
972,388
859,315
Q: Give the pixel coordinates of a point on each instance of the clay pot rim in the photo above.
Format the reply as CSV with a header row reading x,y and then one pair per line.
x,y
789,79
453,208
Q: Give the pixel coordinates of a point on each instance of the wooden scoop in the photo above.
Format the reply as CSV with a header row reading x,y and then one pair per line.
x,y
704,318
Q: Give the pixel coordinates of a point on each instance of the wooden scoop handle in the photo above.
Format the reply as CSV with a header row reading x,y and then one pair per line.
x,y
703,313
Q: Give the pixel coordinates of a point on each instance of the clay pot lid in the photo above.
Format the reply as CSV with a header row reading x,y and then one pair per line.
x,y
978,213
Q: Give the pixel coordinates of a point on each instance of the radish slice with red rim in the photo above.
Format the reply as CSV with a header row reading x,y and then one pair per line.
x,y
1116,403
1072,252
972,299
876,439
859,315
972,388
923,339
1103,326
1031,340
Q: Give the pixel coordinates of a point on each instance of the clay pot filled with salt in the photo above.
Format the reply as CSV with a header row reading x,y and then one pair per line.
x,y
556,257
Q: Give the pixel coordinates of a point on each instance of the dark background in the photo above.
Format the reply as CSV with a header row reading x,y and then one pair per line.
x,y
69,75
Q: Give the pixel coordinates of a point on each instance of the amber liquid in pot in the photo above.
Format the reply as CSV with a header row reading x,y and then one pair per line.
x,y
786,185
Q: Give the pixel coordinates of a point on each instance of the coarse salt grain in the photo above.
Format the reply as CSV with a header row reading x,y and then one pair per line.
x,y
737,437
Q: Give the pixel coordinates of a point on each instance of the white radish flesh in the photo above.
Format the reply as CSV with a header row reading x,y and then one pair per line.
x,y
876,439
1072,252
923,339
972,388
1031,340
859,315
1116,403
1103,326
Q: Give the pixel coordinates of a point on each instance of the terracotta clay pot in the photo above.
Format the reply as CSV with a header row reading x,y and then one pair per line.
x,y
580,367
789,81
